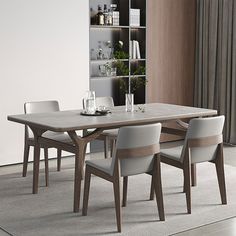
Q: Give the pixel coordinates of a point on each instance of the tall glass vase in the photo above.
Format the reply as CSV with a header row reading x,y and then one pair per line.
x,y
129,102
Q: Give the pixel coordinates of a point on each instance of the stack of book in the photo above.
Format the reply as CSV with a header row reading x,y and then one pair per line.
x,y
134,50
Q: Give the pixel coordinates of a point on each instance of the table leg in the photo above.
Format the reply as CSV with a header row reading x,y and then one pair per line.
x,y
36,166
79,164
80,144
37,133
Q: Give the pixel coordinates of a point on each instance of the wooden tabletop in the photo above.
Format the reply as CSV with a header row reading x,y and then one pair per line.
x,y
72,120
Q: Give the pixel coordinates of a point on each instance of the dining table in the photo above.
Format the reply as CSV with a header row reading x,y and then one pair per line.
x,y
71,121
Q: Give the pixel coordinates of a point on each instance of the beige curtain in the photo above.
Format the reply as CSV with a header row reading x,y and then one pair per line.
x,y
215,69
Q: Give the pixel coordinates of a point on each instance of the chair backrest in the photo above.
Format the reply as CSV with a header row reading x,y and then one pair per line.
x,y
38,107
138,145
205,130
104,101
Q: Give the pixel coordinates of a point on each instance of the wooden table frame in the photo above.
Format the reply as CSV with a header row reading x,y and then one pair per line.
x,y
154,113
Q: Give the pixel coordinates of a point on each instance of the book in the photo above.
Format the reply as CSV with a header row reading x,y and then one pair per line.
x,y
131,49
138,56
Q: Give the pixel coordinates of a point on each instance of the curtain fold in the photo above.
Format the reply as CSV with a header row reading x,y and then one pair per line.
x,y
215,68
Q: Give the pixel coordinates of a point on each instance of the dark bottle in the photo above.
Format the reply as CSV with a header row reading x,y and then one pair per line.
x,y
100,16
105,13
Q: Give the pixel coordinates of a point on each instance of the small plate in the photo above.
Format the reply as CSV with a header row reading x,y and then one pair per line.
x,y
97,113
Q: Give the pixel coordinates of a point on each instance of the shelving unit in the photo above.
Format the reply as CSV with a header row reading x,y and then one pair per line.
x,y
106,37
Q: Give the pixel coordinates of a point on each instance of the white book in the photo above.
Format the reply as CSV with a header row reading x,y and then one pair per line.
x,y
134,49
131,49
138,56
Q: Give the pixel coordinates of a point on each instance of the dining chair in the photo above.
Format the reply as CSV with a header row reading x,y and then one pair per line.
x,y
203,143
136,152
39,107
107,136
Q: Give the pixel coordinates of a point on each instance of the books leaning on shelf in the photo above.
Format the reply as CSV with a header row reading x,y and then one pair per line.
x,y
134,50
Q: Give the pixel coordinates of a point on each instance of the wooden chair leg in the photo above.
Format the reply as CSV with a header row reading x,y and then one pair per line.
x,y
152,190
158,187
112,146
193,175
187,186
116,187
46,166
86,191
219,164
106,146
26,159
58,159
125,186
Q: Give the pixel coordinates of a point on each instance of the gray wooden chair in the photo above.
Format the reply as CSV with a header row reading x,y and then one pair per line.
x,y
107,136
38,107
203,143
136,152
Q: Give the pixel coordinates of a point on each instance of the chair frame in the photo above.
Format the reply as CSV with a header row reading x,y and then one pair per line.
x,y
115,179
186,165
29,142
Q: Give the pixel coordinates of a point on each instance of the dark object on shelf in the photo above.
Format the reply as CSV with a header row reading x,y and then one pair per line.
x,y
100,16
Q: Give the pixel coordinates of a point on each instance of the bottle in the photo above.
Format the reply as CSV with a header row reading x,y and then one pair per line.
x,y
109,17
100,16
105,13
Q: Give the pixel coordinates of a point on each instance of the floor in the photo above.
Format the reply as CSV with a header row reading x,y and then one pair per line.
x,y
226,227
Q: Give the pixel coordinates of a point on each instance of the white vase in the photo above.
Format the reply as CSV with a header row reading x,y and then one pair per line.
x,y
129,102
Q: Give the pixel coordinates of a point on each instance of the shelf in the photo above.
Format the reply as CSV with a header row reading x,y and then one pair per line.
x,y
109,27
109,77
133,76
136,60
137,27
108,60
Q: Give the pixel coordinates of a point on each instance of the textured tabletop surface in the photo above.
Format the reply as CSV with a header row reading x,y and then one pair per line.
x,y
72,120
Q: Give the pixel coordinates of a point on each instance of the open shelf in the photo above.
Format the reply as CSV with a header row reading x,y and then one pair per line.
x,y
105,38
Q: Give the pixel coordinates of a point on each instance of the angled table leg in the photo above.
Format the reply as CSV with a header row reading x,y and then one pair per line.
x,y
80,144
37,134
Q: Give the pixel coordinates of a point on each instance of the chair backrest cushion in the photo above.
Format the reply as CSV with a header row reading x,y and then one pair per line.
x,y
202,128
38,107
104,101
136,137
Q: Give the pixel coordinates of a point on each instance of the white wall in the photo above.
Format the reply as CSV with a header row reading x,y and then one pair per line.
x,y
44,54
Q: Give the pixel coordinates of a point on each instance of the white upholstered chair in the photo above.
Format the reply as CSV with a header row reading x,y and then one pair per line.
x,y
39,107
203,143
136,152
107,136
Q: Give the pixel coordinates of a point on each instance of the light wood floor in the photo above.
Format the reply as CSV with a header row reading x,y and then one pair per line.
x,y
222,228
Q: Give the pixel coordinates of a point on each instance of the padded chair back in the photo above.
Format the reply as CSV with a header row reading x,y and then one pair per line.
x,y
104,101
203,128
136,137
38,107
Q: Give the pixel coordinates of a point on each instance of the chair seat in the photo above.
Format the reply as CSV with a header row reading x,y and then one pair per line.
x,y
60,137
101,164
172,153
111,132
57,136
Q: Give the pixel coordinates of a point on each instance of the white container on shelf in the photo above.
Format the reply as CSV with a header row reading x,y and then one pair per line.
x,y
134,17
116,17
